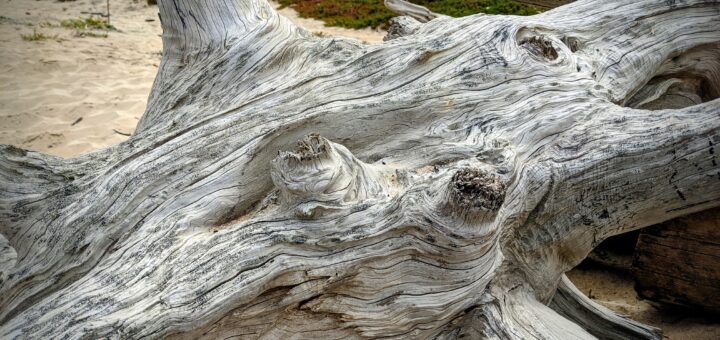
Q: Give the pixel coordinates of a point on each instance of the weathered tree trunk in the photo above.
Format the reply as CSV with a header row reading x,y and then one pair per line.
x,y
462,169
545,4
409,9
678,262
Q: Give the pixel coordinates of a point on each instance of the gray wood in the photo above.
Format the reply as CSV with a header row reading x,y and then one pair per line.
x,y
678,262
412,10
443,183
571,303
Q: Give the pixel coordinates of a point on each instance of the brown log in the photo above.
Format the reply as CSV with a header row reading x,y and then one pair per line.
x,y
678,262
545,4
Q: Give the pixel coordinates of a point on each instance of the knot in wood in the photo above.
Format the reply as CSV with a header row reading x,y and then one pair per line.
x,y
311,147
313,168
540,46
321,175
476,188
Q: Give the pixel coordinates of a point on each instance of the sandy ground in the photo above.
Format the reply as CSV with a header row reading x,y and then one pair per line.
x,y
614,290
70,95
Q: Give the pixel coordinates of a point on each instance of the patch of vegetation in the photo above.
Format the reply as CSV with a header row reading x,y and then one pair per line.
x,y
89,27
461,8
91,34
372,13
343,13
87,23
36,36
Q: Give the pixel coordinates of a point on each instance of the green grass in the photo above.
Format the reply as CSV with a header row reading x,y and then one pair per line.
x,y
343,13
87,23
372,13
89,27
461,8
91,34
36,36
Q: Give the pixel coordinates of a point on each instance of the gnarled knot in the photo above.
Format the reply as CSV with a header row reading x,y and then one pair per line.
x,y
472,188
321,175
312,146
540,46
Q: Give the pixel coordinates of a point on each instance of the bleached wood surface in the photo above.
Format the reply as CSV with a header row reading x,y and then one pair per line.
x,y
443,183
412,10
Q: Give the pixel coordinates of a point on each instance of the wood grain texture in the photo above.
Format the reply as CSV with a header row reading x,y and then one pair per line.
x,y
545,4
443,183
571,303
411,10
677,261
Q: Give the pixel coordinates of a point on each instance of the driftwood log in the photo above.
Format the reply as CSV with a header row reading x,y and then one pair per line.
x,y
678,262
442,184
545,4
411,10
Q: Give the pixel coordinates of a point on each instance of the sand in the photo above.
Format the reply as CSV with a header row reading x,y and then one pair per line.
x,y
70,95
614,289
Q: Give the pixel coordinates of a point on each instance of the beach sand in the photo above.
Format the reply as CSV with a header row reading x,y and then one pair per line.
x,y
614,290
70,95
